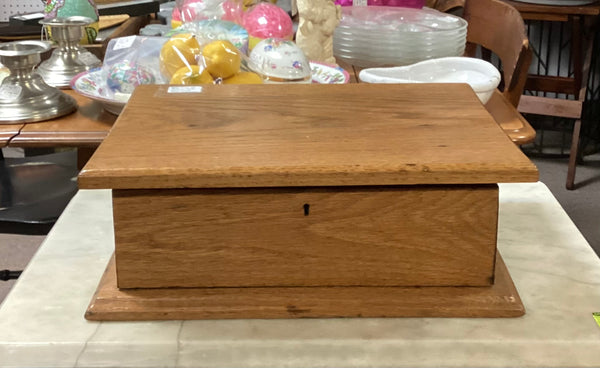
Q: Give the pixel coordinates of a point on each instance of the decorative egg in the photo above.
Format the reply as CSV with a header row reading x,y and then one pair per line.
x,y
83,8
125,75
189,10
233,11
265,20
280,60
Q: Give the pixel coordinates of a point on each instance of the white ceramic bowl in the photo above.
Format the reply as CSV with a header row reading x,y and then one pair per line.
x,y
482,76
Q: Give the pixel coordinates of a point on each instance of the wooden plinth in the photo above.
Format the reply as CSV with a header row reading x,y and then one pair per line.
x,y
112,304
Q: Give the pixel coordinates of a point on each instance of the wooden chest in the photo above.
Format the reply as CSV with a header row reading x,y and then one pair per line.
x,y
305,186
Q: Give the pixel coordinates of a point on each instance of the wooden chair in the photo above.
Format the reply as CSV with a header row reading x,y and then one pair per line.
x,y
499,28
445,5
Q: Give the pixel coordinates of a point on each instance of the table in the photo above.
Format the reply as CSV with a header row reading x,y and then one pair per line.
x,y
87,127
84,129
583,20
505,114
554,268
7,132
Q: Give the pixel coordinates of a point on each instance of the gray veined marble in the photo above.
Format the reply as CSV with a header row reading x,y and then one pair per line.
x,y
555,270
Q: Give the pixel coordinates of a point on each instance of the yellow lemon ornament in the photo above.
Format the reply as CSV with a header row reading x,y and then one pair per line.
x,y
191,75
222,58
179,51
244,78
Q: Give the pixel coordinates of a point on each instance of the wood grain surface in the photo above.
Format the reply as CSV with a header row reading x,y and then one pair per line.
x,y
305,135
86,127
509,119
352,236
551,106
592,9
8,131
107,21
112,304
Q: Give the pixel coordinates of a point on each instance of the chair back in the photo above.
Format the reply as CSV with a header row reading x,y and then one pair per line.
x,y
499,27
445,5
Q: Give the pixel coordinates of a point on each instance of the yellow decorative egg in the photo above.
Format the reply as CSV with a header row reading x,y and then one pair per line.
x,y
244,78
191,75
179,51
222,58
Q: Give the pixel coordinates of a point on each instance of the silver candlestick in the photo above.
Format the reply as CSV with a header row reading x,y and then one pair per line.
x,y
69,58
24,96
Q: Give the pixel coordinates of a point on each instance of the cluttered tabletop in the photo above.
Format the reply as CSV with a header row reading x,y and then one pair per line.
x,y
88,81
349,106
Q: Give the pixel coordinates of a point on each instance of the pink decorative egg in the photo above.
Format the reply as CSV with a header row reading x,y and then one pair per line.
x,y
233,11
266,20
190,9
176,14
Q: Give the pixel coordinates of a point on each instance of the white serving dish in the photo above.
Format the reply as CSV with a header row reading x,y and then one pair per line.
x,y
92,84
482,76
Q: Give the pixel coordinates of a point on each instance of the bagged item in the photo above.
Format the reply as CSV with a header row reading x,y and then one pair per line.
x,y
131,61
266,20
195,10
215,29
188,59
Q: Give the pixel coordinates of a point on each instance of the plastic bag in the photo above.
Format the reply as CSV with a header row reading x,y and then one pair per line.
x,y
129,62
195,10
188,59
266,20
210,30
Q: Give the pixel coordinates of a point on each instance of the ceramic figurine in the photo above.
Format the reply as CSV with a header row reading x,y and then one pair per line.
x,y
317,21
68,8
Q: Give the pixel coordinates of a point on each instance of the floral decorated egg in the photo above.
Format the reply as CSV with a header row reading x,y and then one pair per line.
x,y
125,75
280,60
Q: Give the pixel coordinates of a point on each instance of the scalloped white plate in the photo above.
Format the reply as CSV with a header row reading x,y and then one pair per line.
x,y
92,85
328,74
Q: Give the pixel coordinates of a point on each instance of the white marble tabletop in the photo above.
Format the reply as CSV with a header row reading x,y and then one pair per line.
x,y
553,267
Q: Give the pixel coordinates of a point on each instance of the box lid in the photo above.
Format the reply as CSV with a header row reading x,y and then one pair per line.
x,y
218,136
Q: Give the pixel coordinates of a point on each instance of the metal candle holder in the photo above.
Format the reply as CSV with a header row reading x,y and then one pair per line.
x,y
69,58
24,96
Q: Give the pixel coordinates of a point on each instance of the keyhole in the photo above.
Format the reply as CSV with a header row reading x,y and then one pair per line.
x,y
306,209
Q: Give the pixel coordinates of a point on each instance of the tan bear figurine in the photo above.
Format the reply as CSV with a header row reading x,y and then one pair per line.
x,y
317,21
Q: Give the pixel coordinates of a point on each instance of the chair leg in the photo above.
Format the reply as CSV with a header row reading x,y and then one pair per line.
x,y
573,155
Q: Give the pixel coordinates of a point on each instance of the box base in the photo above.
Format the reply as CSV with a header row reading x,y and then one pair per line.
x,y
110,303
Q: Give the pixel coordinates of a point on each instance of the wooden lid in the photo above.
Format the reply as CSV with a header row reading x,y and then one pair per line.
x,y
304,135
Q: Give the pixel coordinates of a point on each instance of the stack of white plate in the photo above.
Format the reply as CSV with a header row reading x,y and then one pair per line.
x,y
369,36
